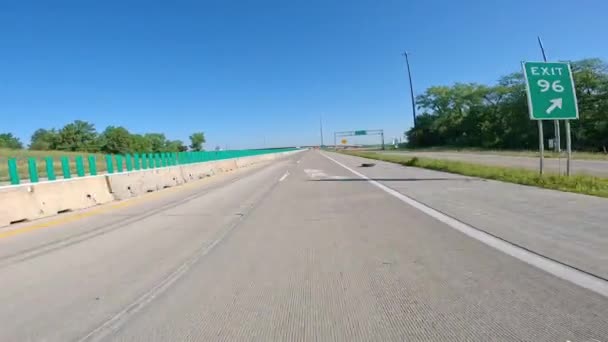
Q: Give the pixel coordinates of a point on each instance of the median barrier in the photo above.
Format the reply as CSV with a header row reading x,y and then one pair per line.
x,y
132,184
37,200
33,201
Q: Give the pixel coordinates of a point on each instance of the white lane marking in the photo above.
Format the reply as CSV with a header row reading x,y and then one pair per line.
x,y
562,271
284,176
314,173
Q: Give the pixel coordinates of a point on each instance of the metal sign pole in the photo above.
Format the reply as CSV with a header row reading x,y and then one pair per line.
x,y
541,145
556,129
568,147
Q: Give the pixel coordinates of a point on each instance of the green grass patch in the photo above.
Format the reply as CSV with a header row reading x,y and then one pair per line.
x,y
581,184
22,157
513,153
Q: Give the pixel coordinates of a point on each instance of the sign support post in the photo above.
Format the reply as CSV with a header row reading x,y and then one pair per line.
x,y
541,145
568,147
556,128
551,96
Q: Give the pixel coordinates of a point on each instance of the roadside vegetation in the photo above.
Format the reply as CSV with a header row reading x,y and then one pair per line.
x,y
22,157
514,153
471,115
581,184
80,138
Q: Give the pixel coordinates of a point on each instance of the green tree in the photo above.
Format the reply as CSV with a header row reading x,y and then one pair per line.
x,y
497,116
44,140
78,136
591,82
140,144
175,146
8,140
197,140
157,141
116,140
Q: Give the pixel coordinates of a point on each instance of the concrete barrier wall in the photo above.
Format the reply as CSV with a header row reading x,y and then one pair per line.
x,y
38,200
29,202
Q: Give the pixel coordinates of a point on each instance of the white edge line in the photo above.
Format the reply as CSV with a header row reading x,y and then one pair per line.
x,y
559,270
284,176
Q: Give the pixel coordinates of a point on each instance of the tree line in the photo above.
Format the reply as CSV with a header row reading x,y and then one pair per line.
x,y
83,137
496,116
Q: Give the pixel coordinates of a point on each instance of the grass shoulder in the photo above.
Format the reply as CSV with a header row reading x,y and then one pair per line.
x,y
581,184
514,153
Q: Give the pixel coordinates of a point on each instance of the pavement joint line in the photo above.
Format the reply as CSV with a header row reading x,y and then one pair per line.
x,y
562,271
73,239
115,322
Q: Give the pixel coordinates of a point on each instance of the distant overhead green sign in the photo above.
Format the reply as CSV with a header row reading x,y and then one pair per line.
x,y
360,132
551,93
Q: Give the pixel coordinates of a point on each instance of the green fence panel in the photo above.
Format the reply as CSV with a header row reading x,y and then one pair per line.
x,y
109,163
144,161
13,173
92,166
157,160
151,161
118,163
163,159
80,166
136,164
50,168
129,162
32,169
65,167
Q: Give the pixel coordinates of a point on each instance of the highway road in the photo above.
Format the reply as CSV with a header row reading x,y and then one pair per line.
x,y
314,247
590,167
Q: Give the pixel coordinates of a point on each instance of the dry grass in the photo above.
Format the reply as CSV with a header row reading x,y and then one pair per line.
x,y
581,184
23,156
514,153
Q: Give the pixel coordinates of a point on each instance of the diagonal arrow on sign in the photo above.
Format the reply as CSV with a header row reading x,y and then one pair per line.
x,y
555,103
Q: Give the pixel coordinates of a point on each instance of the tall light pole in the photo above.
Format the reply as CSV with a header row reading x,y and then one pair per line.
x,y
321,128
409,75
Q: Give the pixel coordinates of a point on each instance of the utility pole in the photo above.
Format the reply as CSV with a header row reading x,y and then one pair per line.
x,y
321,128
409,74
557,145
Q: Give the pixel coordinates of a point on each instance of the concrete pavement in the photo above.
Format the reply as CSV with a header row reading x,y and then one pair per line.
x,y
589,167
293,250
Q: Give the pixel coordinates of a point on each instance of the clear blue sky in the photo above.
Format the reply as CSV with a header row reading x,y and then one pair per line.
x,y
245,71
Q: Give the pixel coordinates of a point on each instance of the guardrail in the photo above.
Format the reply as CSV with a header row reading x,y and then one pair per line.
x,y
36,169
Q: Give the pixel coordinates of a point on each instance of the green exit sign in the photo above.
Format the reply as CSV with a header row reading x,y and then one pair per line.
x,y
551,92
360,132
